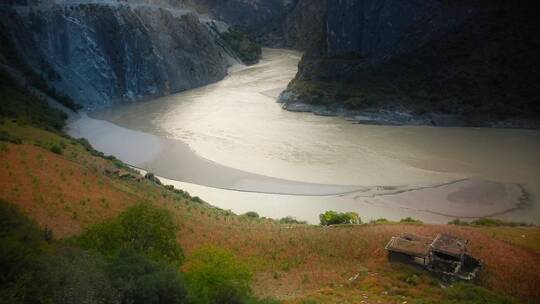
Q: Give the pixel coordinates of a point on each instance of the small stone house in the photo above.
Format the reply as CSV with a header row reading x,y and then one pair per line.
x,y
444,254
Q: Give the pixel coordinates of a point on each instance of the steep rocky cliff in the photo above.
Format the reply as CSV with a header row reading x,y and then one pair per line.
x,y
252,16
274,23
442,62
101,53
298,28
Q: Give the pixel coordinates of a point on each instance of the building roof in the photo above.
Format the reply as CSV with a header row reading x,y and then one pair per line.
x,y
449,245
415,237
410,247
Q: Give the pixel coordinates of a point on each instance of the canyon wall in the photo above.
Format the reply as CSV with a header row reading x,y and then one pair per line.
x,y
100,53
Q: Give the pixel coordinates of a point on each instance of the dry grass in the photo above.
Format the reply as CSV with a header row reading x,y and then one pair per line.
x,y
69,192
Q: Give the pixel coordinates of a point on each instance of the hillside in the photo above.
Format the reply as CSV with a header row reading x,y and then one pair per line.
x,y
67,188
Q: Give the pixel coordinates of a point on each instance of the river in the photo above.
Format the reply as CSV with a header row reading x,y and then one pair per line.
x,y
231,144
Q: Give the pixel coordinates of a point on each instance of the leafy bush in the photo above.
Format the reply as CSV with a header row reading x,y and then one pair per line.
x,y
458,222
4,136
18,104
410,220
35,271
73,275
247,50
21,245
334,218
489,222
139,279
87,146
151,177
291,220
56,149
251,214
472,294
215,275
197,200
380,221
143,228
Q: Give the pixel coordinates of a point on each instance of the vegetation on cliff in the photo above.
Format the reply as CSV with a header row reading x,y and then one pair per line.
x,y
435,66
247,49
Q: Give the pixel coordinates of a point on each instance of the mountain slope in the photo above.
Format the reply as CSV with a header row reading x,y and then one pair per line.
x,y
66,187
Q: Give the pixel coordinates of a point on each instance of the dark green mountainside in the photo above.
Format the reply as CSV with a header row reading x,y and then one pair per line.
x,y
431,62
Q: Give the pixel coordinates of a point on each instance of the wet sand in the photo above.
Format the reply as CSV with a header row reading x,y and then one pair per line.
x,y
177,164
174,159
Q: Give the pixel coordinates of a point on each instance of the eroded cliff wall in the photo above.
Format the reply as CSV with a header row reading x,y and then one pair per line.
x,y
470,62
100,53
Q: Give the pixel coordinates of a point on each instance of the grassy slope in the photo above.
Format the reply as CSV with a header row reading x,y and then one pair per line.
x,y
70,191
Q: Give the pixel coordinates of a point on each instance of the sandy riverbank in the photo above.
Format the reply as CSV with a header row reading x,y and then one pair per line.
x,y
174,160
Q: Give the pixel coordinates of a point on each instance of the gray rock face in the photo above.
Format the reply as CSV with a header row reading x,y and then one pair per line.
x,y
106,53
252,16
380,29
304,25
275,23
472,60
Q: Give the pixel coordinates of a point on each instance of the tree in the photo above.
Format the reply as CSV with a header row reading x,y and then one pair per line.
x,y
143,228
333,218
215,275
140,279
252,214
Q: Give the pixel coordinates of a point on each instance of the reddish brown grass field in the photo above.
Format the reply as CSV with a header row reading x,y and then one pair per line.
x,y
69,192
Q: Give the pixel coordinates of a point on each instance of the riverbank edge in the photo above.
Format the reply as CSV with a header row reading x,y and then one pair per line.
x,y
292,102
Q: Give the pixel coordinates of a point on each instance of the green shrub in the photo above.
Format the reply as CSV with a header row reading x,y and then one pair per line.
x,y
141,280
251,214
380,221
35,271
4,136
215,275
151,177
86,145
291,220
458,222
56,149
472,294
143,228
247,50
490,222
412,279
18,104
410,220
73,275
334,218
21,245
197,200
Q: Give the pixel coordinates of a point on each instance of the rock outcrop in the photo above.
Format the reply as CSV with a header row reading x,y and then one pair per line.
x,y
105,52
469,62
299,28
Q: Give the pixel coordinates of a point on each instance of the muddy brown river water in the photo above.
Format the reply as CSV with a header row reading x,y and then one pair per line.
x,y
230,143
